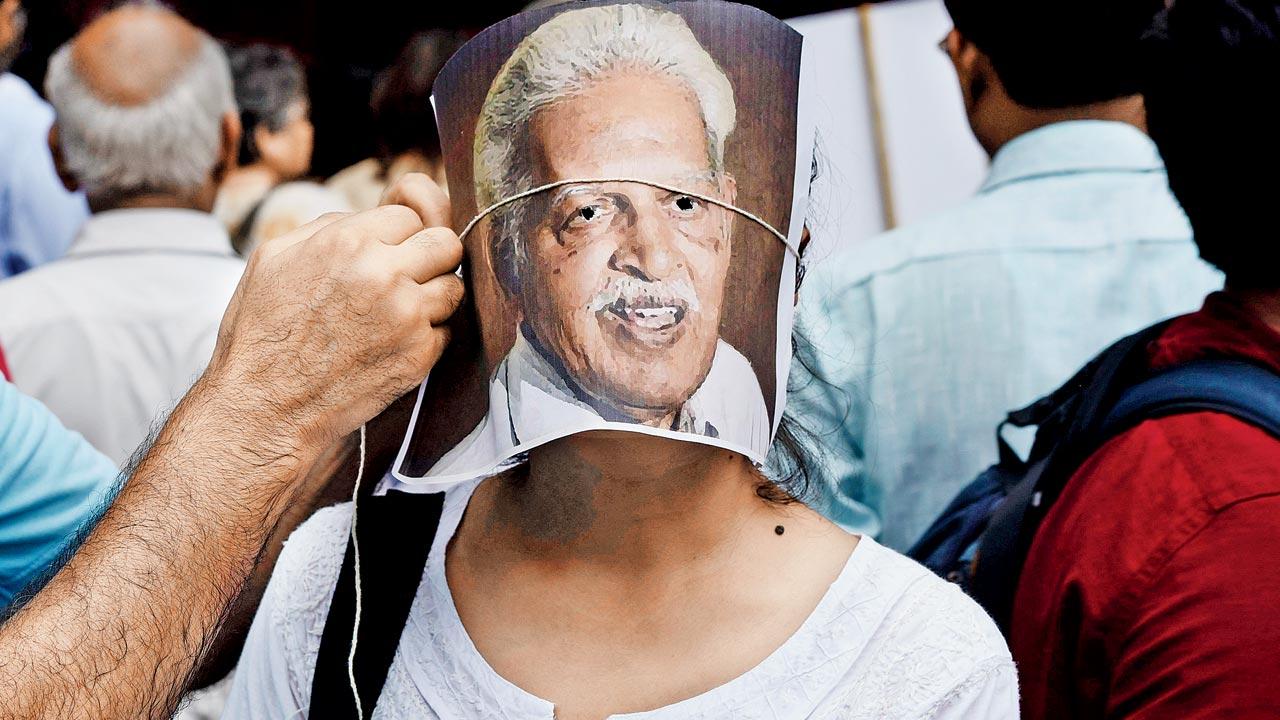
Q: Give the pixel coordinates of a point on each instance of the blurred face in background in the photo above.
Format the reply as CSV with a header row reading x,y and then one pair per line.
x,y
287,151
13,21
623,282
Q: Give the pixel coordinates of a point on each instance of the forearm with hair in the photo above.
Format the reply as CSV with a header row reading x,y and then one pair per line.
x,y
334,481
118,631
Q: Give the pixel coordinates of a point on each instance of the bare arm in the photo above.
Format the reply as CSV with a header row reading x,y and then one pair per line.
x,y
120,626
335,473
328,326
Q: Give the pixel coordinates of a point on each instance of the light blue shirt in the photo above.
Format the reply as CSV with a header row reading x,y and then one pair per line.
x,y
38,217
52,482
930,334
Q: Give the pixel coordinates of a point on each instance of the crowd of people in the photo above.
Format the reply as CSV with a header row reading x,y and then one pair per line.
x,y
199,341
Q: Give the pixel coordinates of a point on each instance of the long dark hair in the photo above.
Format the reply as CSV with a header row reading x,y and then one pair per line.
x,y
793,471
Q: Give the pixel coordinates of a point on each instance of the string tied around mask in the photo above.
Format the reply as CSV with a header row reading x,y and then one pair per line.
x,y
355,552
661,186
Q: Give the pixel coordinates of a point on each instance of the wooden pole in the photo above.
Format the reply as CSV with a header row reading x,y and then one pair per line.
x,y
876,107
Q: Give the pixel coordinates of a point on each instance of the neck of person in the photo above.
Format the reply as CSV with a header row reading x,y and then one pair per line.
x,y
625,500
257,175
998,119
1264,304
200,200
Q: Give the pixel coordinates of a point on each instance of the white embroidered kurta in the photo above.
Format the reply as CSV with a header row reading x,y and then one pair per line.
x,y
888,640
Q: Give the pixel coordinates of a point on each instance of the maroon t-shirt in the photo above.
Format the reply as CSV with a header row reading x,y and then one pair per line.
x,y
1152,590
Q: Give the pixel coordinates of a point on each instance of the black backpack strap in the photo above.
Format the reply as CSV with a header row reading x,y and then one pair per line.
x,y
396,532
1065,418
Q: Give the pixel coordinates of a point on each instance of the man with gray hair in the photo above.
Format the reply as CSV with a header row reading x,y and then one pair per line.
x,y
618,284
146,125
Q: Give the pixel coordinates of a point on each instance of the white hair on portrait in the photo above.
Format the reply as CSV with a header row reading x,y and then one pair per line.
x,y
563,57
169,144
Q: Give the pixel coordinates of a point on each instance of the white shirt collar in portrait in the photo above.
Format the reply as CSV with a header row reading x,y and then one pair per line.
x,y
530,404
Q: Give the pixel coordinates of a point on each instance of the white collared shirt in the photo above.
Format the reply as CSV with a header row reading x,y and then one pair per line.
x,y
925,337
110,336
530,403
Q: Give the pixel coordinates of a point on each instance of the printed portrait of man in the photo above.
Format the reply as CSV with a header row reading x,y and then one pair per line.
x,y
619,286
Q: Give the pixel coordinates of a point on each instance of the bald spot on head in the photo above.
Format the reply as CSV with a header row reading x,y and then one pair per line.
x,y
134,54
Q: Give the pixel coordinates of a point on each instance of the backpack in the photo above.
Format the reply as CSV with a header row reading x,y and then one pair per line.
x,y
981,540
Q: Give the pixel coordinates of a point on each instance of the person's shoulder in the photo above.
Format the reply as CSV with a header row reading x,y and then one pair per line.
x,y
932,643
52,481
361,184
1018,218
33,442
1190,467
14,89
25,111
954,231
1207,460
307,571
228,271
923,607
28,427
363,171
25,296
320,539
1193,467
44,314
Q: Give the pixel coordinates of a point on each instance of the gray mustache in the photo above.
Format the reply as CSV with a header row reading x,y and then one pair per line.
x,y
632,291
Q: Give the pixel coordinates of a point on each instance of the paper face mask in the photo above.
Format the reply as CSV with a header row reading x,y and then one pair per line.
x,y
630,180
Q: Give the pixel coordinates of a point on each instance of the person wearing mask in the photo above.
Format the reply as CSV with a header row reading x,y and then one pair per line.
x,y
1150,587
617,571
110,336
38,216
277,138
925,337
